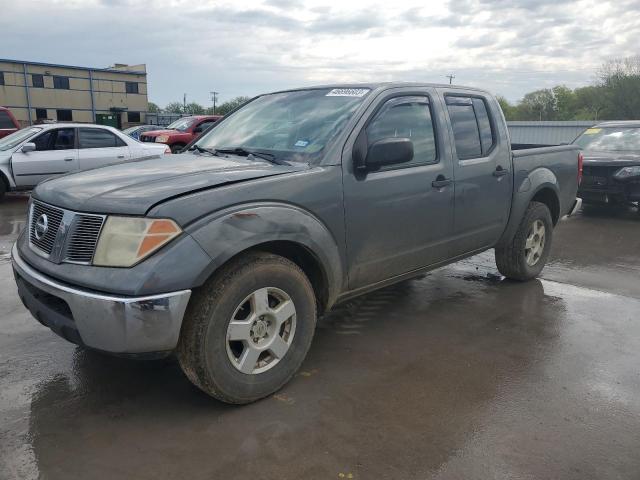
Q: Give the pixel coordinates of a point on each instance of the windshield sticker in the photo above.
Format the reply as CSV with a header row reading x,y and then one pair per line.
x,y
301,143
592,131
348,92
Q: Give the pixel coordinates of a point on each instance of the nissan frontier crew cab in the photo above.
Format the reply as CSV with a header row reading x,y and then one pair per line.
x,y
226,254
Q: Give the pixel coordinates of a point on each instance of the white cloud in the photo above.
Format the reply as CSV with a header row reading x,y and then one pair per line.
x,y
244,48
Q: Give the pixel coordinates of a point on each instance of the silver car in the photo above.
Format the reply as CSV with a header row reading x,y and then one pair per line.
x,y
36,153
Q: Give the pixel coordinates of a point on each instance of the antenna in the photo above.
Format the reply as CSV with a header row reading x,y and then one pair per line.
x,y
451,76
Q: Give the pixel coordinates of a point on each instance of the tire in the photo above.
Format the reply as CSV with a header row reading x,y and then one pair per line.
x,y
514,260
177,147
3,188
213,362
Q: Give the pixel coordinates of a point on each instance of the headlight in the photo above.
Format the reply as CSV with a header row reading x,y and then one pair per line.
x,y
124,241
162,138
627,172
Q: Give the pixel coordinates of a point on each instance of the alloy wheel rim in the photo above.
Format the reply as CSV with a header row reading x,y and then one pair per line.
x,y
534,245
261,330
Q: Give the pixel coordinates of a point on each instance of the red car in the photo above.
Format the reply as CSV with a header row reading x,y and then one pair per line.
x,y
8,123
178,134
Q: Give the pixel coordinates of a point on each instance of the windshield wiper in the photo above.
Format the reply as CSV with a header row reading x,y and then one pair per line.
x,y
210,151
269,157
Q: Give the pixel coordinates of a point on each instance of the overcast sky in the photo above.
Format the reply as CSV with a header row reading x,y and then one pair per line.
x,y
243,48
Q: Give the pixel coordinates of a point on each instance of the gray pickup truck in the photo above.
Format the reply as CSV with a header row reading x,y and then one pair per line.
x,y
227,254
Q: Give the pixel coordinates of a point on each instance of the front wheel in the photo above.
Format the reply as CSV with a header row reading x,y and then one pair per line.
x,y
527,253
248,329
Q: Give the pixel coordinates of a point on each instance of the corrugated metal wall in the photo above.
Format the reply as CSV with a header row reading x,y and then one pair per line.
x,y
546,133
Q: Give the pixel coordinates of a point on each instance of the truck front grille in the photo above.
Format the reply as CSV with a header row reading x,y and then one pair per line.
x,y
69,237
145,138
48,216
83,238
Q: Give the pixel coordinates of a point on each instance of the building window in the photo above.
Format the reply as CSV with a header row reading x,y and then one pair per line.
x,y
61,83
133,117
41,113
132,87
1,78
64,115
37,80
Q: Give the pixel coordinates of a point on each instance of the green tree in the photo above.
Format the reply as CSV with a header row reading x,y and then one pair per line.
x,y
229,105
620,79
590,102
194,108
507,108
153,108
174,107
565,103
538,105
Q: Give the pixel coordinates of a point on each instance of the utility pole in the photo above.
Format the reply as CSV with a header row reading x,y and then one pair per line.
x,y
214,99
450,77
184,103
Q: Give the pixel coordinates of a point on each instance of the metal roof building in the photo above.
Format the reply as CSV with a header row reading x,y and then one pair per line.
x,y
546,133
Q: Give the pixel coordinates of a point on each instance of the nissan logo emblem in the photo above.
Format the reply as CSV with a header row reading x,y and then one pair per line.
x,y
42,225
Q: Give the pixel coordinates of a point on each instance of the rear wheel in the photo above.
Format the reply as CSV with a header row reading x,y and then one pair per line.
x,y
177,147
248,329
527,253
3,187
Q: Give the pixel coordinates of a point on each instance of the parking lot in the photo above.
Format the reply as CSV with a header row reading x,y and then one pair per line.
x,y
459,374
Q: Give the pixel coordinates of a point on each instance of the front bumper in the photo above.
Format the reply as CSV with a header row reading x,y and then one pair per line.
x,y
114,324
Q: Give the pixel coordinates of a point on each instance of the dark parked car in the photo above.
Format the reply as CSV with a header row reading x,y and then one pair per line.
x,y
611,171
301,199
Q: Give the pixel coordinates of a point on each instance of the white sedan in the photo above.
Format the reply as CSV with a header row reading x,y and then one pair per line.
x,y
36,153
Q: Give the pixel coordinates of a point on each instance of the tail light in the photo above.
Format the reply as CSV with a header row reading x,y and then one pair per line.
x,y
580,163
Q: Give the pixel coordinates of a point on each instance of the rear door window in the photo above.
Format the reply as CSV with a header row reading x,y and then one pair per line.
x,y
472,130
98,138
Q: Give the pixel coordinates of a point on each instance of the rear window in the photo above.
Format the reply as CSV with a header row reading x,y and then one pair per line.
x,y
97,138
5,120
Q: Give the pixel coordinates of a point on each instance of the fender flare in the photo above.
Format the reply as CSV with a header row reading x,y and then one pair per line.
x,y
524,191
228,232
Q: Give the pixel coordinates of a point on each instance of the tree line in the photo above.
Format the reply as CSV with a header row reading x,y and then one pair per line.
x,y
194,108
614,95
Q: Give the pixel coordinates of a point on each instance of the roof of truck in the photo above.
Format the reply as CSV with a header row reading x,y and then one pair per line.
x,y
382,85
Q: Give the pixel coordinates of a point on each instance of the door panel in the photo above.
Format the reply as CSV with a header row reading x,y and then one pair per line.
x,y
55,155
483,178
396,221
99,147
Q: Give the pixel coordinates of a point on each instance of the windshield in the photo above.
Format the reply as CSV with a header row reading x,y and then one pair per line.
x,y
18,137
181,124
289,125
614,139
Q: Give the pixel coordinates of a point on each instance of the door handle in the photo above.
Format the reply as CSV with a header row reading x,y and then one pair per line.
x,y
120,156
69,159
441,182
500,172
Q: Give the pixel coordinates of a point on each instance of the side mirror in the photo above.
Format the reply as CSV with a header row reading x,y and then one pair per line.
x,y
389,151
28,147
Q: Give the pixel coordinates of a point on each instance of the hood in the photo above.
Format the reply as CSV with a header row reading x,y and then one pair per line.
x,y
610,159
157,133
132,188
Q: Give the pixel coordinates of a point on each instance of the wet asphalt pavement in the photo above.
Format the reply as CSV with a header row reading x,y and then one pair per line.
x,y
458,375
